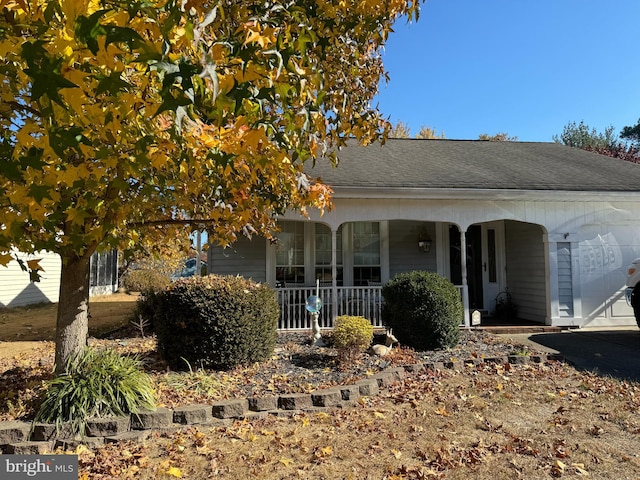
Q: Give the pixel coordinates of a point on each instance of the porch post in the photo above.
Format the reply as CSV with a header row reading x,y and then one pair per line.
x,y
463,268
334,275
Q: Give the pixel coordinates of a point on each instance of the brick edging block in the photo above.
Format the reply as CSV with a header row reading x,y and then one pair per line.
x,y
192,414
298,401
161,417
263,404
230,408
14,431
326,398
107,427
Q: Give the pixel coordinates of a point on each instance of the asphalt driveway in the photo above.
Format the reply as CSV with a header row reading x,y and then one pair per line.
x,y
613,352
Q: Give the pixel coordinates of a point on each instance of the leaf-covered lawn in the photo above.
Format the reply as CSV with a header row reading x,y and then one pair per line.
x,y
484,422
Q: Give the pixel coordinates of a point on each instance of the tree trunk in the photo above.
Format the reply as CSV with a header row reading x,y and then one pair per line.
x,y
73,307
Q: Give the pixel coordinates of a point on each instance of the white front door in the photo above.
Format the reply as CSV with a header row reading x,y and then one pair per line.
x,y
493,261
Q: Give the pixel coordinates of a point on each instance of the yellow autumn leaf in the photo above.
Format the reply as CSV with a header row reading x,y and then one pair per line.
x,y
396,453
34,265
5,258
174,472
442,411
580,469
379,415
286,461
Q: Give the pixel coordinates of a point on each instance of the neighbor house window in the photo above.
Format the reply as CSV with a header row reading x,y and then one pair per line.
x,y
290,253
366,253
323,268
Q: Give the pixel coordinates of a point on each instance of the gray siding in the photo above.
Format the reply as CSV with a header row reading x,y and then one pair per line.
x,y
526,269
404,254
245,257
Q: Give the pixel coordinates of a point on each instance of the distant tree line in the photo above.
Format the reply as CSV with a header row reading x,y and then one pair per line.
x,y
625,146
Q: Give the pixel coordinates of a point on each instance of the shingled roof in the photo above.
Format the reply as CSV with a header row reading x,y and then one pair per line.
x,y
477,164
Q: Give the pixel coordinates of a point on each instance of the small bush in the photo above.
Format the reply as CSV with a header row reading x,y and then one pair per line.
x,y
423,309
216,322
352,332
351,335
145,281
96,383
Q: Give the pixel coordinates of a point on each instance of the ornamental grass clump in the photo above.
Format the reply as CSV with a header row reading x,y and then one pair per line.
x,y
423,309
96,383
216,322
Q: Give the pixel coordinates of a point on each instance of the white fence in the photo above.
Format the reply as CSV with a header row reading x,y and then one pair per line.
x,y
358,301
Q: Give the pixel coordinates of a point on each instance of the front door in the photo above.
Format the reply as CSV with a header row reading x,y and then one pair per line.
x,y
492,259
484,253
474,263
474,267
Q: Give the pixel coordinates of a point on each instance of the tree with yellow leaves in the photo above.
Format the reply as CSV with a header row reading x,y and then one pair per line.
x,y
126,121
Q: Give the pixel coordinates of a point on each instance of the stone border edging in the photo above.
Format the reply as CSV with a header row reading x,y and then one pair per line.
x,y
25,438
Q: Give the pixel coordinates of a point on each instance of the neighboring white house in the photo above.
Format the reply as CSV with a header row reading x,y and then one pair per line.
x,y
17,290
554,226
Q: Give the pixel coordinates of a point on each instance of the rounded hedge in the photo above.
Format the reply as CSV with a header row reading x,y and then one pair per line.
x,y
216,322
352,332
423,309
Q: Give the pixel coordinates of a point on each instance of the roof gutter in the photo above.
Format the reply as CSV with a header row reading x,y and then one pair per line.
x,y
481,194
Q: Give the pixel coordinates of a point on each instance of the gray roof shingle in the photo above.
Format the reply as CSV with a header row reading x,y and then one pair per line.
x,y
476,164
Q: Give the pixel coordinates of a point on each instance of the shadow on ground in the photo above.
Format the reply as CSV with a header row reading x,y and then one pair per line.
x,y
614,353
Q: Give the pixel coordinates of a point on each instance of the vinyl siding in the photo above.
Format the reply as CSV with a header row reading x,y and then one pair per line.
x,y
525,269
16,289
404,254
245,257
565,283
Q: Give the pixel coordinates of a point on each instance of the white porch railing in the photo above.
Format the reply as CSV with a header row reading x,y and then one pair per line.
x,y
358,301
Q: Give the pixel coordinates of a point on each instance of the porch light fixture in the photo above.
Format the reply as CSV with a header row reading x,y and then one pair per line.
x,y
424,242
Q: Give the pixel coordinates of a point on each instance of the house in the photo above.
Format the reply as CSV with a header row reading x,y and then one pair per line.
x,y
554,226
16,289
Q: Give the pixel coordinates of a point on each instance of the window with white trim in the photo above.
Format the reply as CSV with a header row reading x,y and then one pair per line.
x,y
366,253
290,253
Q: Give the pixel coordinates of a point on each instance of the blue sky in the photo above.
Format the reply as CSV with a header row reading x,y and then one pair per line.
x,y
523,67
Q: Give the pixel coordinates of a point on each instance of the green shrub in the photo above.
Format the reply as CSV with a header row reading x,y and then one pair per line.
x,y
216,322
351,335
145,281
352,332
423,309
96,383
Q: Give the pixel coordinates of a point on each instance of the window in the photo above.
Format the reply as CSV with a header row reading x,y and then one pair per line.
x,y
491,255
290,253
323,254
366,253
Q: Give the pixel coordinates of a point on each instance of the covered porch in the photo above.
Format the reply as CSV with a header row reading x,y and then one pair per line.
x,y
348,262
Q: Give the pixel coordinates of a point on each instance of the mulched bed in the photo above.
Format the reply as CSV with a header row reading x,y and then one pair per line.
x,y
297,366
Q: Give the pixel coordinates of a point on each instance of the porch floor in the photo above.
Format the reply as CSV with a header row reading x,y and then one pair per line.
x,y
496,325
